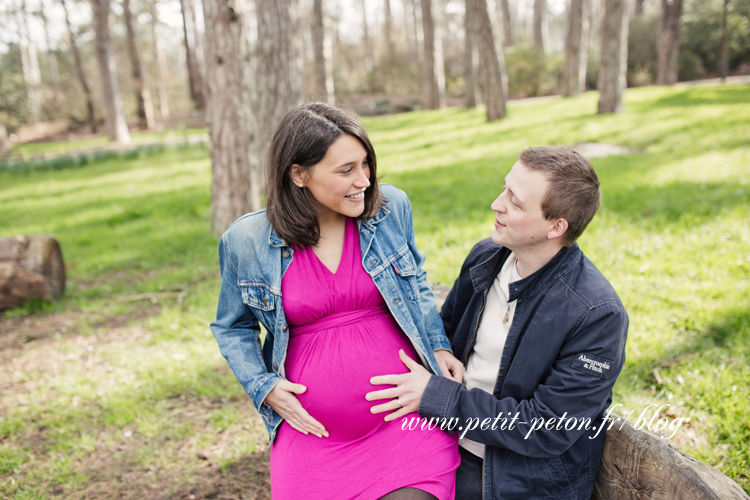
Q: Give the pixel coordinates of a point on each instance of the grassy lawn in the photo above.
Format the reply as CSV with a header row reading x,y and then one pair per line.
x,y
113,392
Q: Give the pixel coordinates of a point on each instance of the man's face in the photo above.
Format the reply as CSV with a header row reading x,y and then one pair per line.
x,y
519,223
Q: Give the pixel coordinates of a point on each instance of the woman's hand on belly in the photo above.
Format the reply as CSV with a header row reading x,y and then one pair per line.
x,y
283,399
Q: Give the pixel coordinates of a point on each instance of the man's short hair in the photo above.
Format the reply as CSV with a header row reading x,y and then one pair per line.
x,y
573,193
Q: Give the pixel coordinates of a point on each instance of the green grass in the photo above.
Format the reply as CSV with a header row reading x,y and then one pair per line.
x,y
111,373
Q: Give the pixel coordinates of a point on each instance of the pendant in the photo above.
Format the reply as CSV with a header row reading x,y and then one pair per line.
x,y
505,319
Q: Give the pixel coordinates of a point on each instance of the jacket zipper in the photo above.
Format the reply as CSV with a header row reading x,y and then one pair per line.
x,y
476,327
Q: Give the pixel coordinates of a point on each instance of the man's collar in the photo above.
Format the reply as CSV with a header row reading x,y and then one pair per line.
x,y
484,273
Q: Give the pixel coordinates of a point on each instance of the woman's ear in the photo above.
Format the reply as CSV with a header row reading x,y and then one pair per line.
x,y
298,175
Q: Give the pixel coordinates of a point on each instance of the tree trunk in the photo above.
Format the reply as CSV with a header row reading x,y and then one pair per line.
x,y
540,26
54,74
142,94
117,129
439,32
31,267
638,7
613,65
504,8
669,41
366,41
80,73
724,43
595,18
5,144
576,49
493,62
229,110
412,30
323,53
194,74
470,57
160,64
388,26
29,63
430,82
277,79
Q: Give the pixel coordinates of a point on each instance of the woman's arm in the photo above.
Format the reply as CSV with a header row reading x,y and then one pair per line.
x,y
237,332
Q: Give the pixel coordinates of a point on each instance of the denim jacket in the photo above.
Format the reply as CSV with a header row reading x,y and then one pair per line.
x,y
253,258
563,353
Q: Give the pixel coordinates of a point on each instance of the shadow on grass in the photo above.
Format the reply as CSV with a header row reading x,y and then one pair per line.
x,y
700,96
462,194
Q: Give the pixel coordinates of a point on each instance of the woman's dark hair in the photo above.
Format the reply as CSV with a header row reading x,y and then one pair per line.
x,y
303,139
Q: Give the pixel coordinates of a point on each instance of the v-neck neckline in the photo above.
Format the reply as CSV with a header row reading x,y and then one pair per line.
x,y
343,251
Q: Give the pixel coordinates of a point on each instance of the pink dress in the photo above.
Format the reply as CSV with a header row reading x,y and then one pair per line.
x,y
341,335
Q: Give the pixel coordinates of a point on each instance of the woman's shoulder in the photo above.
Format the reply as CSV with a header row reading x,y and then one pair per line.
x,y
249,228
393,196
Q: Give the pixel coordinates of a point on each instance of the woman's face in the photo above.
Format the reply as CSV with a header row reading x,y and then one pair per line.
x,y
338,181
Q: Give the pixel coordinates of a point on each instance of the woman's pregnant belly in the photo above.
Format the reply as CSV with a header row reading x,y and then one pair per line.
x,y
336,365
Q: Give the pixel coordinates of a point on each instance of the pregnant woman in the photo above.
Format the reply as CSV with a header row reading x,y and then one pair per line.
x,y
332,272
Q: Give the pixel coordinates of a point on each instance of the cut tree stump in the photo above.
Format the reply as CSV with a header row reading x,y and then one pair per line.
x,y
638,465
31,267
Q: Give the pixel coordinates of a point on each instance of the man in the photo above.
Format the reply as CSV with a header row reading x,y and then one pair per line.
x,y
542,334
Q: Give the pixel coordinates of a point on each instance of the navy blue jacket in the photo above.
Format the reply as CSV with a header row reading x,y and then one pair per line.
x,y
564,351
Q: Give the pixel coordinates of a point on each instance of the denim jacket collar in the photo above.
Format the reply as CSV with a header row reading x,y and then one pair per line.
x,y
558,266
276,241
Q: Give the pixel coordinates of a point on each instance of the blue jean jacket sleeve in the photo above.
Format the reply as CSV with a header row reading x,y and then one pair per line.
x,y
432,321
237,332
567,392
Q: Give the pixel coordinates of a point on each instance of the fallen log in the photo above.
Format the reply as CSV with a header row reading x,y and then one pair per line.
x,y
31,267
638,465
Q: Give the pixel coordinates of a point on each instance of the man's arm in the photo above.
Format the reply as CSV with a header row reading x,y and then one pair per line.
x,y
570,390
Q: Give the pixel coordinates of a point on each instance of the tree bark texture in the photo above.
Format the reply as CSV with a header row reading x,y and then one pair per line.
x,y
669,41
412,30
80,73
507,25
613,65
145,109
470,57
160,63
29,62
492,61
638,465
438,25
576,49
323,54
431,90
54,74
31,267
194,73
117,129
540,25
5,144
228,112
388,27
366,40
277,79
724,43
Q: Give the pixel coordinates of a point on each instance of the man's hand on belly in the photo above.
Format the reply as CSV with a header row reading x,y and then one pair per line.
x,y
405,396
